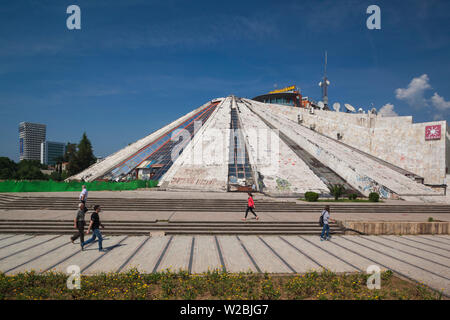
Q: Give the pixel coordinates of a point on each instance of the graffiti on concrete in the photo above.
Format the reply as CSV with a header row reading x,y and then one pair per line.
x,y
369,185
283,184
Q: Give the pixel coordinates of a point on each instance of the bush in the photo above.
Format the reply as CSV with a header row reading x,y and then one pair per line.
x,y
336,190
311,196
374,197
352,196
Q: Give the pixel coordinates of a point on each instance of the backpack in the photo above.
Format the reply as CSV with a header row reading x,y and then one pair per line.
x,y
321,220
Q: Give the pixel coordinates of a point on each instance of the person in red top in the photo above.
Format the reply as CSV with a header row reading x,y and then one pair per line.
x,y
250,207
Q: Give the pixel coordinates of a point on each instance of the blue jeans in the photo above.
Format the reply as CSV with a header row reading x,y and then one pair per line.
x,y
95,234
326,228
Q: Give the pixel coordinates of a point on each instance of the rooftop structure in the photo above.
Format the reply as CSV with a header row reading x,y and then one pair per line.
x,y
289,96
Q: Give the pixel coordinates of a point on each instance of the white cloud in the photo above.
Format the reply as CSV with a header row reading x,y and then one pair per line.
x,y
387,111
414,94
439,102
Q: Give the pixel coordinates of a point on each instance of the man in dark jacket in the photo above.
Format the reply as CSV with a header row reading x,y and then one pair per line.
x,y
79,224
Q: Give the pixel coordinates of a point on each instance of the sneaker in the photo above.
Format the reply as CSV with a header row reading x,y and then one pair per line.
x,y
82,248
322,239
71,240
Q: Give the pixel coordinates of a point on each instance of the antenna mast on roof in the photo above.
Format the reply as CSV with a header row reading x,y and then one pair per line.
x,y
325,83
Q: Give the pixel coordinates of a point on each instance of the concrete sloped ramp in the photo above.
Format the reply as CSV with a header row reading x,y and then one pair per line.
x,y
203,165
364,173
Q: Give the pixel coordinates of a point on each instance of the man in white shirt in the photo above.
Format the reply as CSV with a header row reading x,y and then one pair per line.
x,y
83,197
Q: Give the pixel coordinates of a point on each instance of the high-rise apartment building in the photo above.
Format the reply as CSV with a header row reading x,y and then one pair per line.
x,y
51,151
31,135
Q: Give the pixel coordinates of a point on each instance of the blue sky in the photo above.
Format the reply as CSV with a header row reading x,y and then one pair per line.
x,y
137,65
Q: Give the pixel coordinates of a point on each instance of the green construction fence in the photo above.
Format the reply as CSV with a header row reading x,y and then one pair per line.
x,y
60,186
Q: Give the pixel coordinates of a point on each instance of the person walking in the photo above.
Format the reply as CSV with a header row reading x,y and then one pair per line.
x,y
324,221
79,224
83,197
250,207
95,225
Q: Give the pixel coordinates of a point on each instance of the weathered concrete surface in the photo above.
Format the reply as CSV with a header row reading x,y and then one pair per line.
x,y
421,258
203,165
284,172
365,174
398,227
396,140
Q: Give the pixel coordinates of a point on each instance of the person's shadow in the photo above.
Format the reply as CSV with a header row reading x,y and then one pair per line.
x,y
106,249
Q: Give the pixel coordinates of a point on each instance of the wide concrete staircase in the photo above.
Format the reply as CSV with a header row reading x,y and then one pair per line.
x,y
170,228
208,205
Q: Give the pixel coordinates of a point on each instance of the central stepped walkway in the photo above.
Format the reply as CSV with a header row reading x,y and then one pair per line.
x,y
170,228
211,205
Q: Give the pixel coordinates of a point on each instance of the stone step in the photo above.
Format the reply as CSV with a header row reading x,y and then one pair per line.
x,y
175,232
191,227
159,223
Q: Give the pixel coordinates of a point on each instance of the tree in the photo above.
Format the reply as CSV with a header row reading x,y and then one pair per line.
x,y
82,158
336,190
71,152
56,176
30,170
8,168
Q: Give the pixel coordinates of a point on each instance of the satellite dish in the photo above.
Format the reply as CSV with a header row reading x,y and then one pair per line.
x,y
328,82
360,110
336,106
320,83
349,107
321,105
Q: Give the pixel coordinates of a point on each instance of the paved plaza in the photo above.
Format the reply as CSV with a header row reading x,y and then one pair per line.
x,y
421,258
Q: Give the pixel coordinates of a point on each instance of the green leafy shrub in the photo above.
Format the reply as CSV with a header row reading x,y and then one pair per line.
x,y
336,190
352,196
374,197
311,196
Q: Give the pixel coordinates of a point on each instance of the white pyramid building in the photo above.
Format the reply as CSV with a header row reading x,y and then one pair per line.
x,y
232,143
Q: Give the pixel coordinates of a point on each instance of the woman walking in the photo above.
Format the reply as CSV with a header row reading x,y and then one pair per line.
x,y
250,207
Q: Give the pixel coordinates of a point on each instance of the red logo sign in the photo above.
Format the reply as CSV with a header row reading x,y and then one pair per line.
x,y
433,132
